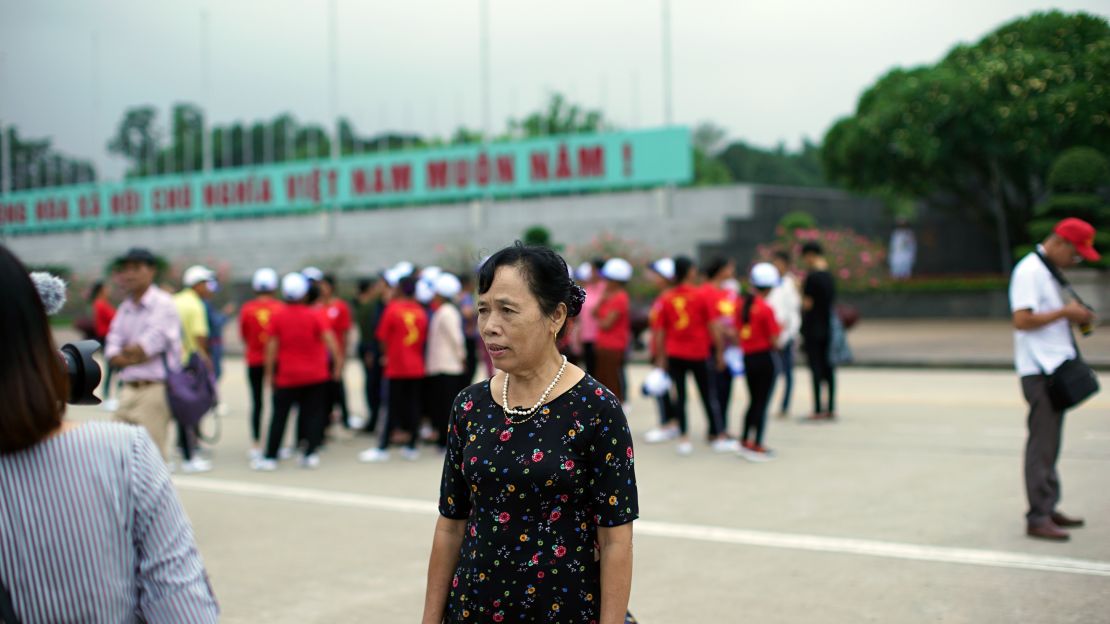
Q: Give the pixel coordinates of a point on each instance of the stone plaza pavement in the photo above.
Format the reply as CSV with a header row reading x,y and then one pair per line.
x,y
910,509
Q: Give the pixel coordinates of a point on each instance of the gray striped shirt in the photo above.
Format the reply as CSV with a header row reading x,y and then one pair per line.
x,y
91,530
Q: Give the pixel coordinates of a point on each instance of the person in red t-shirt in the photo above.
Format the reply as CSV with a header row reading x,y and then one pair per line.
x,y
614,329
722,309
403,331
661,275
337,315
758,332
683,345
103,312
254,328
298,348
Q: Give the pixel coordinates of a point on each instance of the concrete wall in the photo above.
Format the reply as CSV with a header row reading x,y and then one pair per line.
x,y
360,242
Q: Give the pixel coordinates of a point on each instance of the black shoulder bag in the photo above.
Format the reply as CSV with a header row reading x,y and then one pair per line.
x,y
1073,381
7,610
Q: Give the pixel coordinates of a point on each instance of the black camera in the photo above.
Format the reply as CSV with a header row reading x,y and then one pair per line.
x,y
83,371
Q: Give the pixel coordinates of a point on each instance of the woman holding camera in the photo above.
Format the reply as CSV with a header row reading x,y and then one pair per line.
x,y
91,529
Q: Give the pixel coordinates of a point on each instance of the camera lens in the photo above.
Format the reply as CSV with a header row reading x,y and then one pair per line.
x,y
83,371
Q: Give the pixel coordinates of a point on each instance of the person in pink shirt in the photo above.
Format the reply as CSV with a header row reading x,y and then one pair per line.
x,y
589,275
614,326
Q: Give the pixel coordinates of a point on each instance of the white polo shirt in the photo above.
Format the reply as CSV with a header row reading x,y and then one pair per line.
x,y
1044,349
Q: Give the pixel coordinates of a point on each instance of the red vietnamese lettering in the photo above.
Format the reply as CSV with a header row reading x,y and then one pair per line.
x,y
505,173
591,162
379,183
482,170
267,194
562,167
437,174
400,178
333,182
358,182
626,152
539,166
462,173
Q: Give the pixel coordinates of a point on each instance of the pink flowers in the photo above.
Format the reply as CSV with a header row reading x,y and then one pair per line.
x,y
505,435
503,517
537,455
560,550
455,582
498,617
468,406
628,452
599,392
473,459
555,515
568,464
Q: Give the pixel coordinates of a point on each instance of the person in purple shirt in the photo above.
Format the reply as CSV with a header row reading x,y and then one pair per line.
x,y
143,340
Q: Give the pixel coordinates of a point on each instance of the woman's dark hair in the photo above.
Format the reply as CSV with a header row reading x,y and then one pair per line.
x,y
546,274
682,267
95,290
407,285
33,381
783,255
813,247
714,266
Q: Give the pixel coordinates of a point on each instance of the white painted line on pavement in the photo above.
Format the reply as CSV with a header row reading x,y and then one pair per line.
x,y
696,532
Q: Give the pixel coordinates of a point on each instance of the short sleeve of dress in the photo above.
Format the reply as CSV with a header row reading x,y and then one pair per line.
x,y
612,462
454,495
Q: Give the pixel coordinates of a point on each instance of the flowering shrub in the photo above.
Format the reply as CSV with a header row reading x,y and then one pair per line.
x,y
607,245
857,262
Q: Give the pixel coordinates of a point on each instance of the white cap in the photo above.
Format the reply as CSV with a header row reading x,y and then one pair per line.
x,y
425,292
447,286
765,275
264,280
403,269
664,267
617,270
197,274
294,286
312,273
430,273
584,271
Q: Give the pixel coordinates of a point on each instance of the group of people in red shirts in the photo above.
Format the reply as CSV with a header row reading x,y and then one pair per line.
x,y
298,342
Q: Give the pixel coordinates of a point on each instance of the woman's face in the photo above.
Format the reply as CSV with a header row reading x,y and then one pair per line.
x,y
518,335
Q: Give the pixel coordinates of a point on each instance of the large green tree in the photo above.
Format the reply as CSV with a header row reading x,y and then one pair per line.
x,y
978,130
35,164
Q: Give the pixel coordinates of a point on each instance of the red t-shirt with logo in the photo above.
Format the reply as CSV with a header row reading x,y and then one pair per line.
x,y
103,313
722,303
761,330
403,331
337,314
655,320
617,337
254,326
684,320
302,357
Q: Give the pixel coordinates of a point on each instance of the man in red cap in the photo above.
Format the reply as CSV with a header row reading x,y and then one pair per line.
x,y
1042,342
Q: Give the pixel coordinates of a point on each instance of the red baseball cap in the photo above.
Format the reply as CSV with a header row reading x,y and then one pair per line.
x,y
1081,235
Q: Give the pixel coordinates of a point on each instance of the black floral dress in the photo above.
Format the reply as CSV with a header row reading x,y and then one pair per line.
x,y
533,495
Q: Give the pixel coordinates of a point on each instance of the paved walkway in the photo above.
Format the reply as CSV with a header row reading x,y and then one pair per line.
x,y
908,510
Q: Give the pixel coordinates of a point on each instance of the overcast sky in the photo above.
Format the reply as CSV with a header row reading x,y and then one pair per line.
x,y
767,71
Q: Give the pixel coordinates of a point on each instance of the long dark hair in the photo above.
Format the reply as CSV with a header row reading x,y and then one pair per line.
x,y
545,272
33,382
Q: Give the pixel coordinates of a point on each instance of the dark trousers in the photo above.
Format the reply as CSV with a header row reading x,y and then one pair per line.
x,y
372,374
759,373
255,375
404,410
785,361
337,396
677,369
186,440
609,365
589,357
1042,449
444,389
823,372
720,385
311,402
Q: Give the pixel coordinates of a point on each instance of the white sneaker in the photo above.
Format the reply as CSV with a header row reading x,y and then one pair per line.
x,y
264,465
410,454
310,461
197,464
110,405
254,454
725,445
356,422
373,455
660,434
684,448
285,452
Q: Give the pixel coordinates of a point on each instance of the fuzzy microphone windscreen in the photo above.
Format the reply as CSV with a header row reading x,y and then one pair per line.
x,y
52,291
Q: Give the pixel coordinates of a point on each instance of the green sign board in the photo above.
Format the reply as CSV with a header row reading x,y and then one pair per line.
x,y
572,163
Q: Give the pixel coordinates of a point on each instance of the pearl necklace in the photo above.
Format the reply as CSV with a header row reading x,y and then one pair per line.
x,y
529,413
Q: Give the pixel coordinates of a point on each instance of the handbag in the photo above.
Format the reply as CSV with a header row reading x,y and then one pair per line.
x,y
1074,381
191,391
7,610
